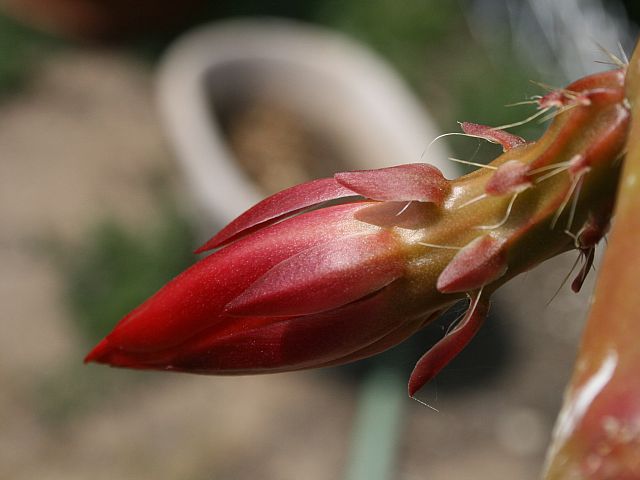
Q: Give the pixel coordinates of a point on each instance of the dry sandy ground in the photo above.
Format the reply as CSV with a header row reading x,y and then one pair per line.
x,y
79,144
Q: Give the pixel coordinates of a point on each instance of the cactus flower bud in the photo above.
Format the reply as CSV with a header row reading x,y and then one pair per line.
x,y
296,284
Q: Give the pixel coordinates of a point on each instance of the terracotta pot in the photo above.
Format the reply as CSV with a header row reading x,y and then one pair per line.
x,y
348,94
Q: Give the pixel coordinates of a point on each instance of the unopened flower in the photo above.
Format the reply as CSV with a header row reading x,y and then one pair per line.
x,y
297,284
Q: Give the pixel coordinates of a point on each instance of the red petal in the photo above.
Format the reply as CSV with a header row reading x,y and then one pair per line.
x,y
195,300
276,206
506,139
411,182
401,333
322,278
432,362
479,263
274,344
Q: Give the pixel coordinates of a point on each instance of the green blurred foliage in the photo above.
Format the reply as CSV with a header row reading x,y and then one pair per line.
x,y
402,32
20,50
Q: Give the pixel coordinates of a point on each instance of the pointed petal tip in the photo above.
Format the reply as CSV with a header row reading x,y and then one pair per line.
x,y
412,388
209,245
106,353
100,353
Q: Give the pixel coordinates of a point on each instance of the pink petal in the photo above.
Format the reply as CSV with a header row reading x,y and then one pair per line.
x,y
195,300
432,362
479,263
324,277
276,206
411,182
506,139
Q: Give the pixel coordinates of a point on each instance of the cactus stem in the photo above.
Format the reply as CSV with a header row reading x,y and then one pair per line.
x,y
576,183
404,209
561,167
434,245
574,204
472,201
560,110
504,219
473,164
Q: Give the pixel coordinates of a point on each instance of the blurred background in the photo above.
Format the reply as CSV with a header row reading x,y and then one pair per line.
x,y
129,134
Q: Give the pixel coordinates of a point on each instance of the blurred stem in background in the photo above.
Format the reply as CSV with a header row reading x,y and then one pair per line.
x,y
378,425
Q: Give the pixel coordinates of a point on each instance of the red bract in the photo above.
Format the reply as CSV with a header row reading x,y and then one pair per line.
x,y
297,284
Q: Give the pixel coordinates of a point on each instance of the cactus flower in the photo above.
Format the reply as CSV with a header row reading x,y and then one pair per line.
x,y
296,283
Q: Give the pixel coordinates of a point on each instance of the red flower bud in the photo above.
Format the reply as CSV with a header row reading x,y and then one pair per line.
x,y
289,288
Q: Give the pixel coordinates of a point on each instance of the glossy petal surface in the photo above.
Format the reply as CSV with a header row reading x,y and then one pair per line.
x,y
324,277
195,300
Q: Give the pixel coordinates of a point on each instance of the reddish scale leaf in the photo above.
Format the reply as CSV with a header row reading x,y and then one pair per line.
x,y
609,141
276,206
480,262
404,183
322,278
554,99
510,177
589,255
562,98
450,346
578,165
506,139
595,228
